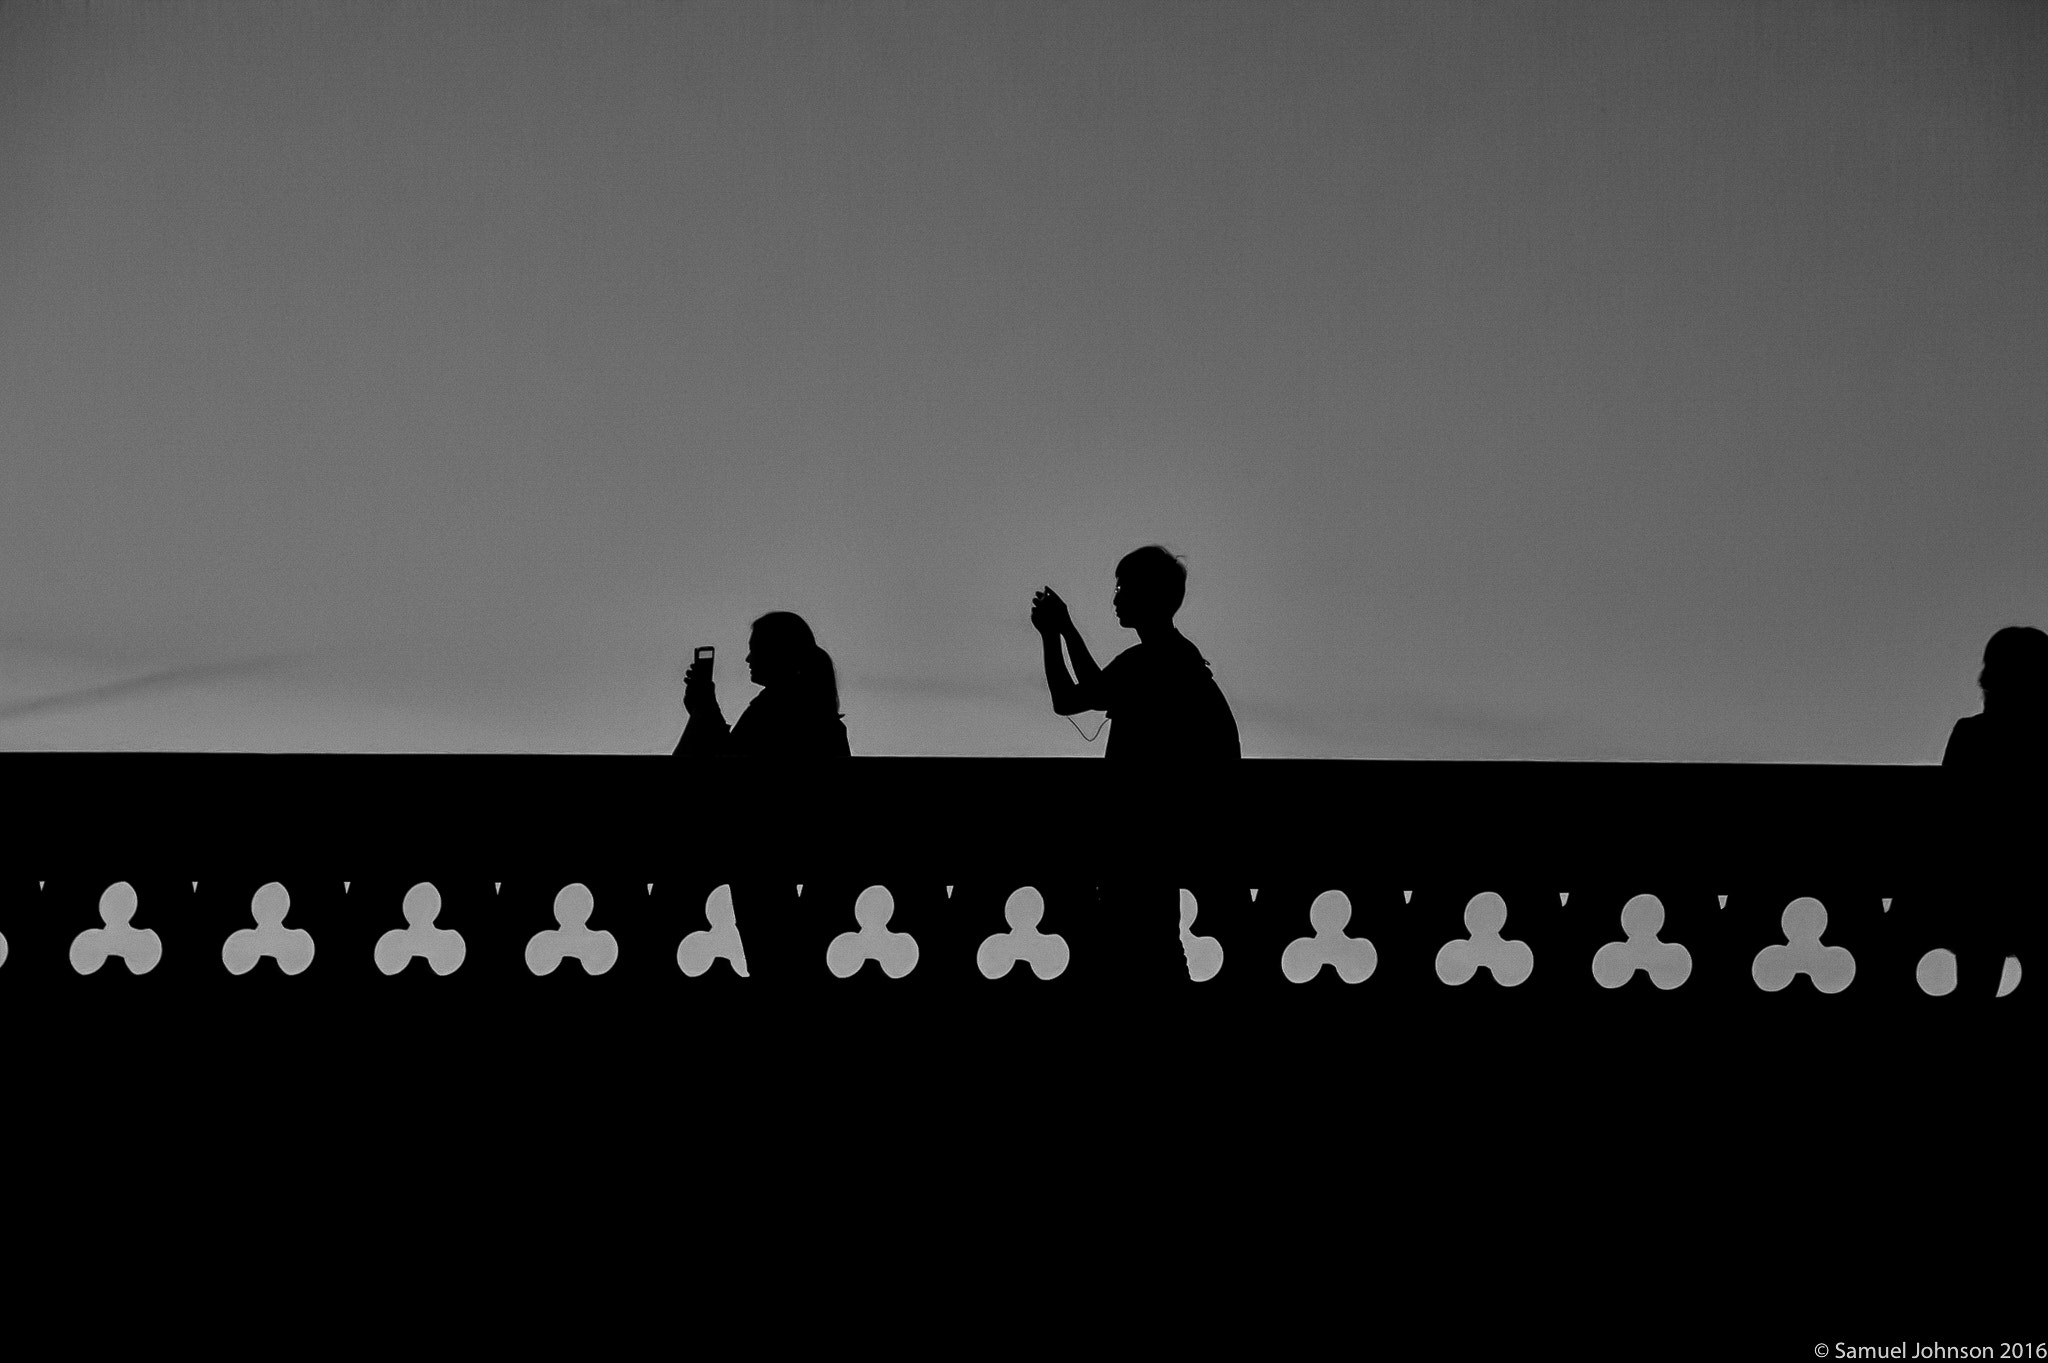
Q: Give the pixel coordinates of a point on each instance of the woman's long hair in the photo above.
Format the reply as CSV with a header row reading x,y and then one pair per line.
x,y
812,677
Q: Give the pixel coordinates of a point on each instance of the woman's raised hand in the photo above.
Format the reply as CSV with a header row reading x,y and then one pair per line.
x,y
697,687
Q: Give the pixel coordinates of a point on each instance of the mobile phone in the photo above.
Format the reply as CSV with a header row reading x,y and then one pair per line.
x,y
705,652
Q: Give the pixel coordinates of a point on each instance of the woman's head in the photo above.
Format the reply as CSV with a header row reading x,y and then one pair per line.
x,y
2015,675
784,655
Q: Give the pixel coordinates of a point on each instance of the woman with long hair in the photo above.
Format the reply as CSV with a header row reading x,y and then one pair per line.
x,y
797,712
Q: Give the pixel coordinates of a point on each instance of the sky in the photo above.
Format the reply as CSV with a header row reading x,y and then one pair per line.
x,y
1565,381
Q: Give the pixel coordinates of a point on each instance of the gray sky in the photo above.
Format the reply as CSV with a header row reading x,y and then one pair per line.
x,y
1619,381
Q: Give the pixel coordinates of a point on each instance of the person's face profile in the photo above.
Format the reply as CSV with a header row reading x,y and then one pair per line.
x,y
1997,681
2013,689
767,660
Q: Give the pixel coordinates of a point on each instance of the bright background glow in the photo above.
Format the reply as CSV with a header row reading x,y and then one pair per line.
x,y
1552,381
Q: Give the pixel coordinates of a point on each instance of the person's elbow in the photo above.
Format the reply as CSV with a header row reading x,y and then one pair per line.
x,y
1075,701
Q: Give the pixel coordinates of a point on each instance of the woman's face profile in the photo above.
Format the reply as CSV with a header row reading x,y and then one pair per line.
x,y
766,663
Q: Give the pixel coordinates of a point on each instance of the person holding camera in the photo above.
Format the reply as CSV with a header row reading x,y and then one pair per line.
x,y
1162,701
796,714
1166,716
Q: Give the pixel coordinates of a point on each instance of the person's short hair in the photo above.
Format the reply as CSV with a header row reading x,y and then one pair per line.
x,y
2017,654
1156,574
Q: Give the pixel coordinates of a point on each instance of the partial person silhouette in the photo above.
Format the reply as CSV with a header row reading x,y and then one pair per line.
x,y
795,715
1162,700
1998,759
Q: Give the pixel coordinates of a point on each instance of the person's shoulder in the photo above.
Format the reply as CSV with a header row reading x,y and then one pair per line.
x,y
1965,741
1168,653
1127,670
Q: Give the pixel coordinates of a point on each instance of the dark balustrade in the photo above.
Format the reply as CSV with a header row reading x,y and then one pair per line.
x,y
1554,1085
1725,849
1699,1114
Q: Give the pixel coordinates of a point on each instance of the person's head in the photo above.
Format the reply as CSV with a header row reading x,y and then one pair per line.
x,y
2015,675
783,654
1150,585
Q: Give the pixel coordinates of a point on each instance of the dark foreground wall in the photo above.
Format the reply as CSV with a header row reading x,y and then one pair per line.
x,y
1409,846
1747,1164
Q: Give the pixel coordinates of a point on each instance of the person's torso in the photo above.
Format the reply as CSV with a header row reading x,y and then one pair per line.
x,y
775,727
1164,706
1985,744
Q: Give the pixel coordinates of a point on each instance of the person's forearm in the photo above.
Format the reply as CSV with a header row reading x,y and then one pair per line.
x,y
1086,673
1056,679
705,734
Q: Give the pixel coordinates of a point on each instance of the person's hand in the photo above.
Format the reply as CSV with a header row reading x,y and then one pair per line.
x,y
698,693
1049,613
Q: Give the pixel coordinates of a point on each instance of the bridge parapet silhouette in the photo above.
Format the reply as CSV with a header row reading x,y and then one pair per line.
x,y
1137,1060
1203,879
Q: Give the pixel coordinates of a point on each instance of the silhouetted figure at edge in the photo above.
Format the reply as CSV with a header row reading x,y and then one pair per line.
x,y
797,712
1162,701
1999,758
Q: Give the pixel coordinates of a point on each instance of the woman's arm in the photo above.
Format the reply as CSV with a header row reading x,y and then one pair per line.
x,y
706,734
